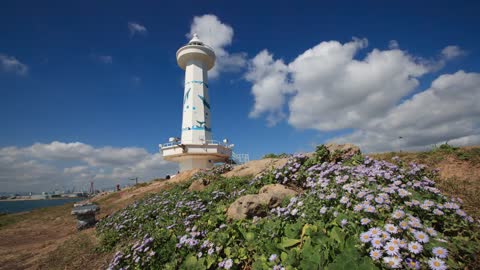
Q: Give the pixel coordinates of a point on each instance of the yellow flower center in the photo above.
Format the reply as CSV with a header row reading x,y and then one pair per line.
x,y
436,263
440,252
391,263
391,248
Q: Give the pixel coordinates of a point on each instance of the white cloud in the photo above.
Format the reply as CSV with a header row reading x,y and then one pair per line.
x,y
42,167
328,88
270,84
336,91
136,28
218,36
12,64
451,52
447,111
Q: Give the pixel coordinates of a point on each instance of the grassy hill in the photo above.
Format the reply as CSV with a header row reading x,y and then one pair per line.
x,y
162,225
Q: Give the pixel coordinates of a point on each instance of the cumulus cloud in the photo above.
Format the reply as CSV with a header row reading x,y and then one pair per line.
x,y
451,52
12,64
42,167
217,35
270,85
329,88
135,28
448,111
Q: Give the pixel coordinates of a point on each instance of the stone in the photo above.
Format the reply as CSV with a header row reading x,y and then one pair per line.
x,y
252,205
277,193
248,206
85,214
199,185
342,151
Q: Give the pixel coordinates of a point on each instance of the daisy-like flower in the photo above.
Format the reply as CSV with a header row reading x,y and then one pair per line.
x,y
398,214
376,254
421,237
403,193
391,249
365,237
379,200
391,228
392,262
385,236
412,264
415,247
344,200
402,243
403,225
273,257
436,264
440,252
377,242
358,208
369,209
396,241
375,232
364,221
431,231
438,212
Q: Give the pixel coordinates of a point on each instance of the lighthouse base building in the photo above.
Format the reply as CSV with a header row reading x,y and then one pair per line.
x,y
196,149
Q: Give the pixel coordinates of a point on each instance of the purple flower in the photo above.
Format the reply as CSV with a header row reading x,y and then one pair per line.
x,y
415,247
375,254
440,252
436,264
273,257
228,264
412,264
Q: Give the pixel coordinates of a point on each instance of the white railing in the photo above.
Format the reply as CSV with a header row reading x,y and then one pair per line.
x,y
240,158
208,142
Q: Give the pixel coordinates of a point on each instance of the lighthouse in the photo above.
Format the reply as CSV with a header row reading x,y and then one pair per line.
x,y
196,147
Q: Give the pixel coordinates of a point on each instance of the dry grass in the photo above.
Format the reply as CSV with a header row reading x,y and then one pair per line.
x,y
459,171
81,251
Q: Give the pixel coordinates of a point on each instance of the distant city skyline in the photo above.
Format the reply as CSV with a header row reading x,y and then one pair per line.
x,y
89,89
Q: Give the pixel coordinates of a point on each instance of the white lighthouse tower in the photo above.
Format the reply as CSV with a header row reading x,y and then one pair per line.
x,y
196,149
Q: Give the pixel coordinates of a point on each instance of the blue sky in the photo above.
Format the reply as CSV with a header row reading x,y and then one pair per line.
x,y
104,74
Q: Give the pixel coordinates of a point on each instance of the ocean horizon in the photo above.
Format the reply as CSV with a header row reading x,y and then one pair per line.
x,y
16,206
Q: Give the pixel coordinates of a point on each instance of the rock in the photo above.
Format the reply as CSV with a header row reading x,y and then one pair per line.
x,y
199,185
277,193
252,205
248,206
342,151
85,214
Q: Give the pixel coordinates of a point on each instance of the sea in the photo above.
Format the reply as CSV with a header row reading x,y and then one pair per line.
x,y
22,206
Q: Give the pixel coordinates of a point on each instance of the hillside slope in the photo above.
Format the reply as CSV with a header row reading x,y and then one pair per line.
x,y
47,239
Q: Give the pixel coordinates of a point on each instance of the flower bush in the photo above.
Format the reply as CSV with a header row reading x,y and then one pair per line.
x,y
359,214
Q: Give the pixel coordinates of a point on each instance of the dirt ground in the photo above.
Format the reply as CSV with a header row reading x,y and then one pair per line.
x,y
47,238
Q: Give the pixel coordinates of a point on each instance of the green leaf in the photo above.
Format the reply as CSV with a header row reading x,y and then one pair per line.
x,y
288,242
337,234
228,251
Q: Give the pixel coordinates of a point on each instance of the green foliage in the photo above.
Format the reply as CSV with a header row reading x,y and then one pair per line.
x,y
178,229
